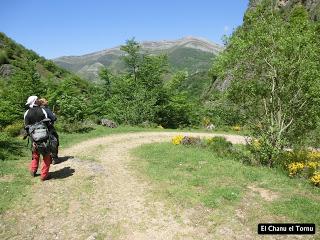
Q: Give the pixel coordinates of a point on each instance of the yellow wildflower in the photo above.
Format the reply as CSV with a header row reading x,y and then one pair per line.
x,y
313,165
295,167
316,178
176,140
256,143
314,155
236,128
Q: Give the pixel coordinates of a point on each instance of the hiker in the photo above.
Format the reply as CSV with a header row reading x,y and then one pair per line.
x,y
35,114
55,139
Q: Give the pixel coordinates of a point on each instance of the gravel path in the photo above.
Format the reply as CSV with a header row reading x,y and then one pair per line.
x,y
95,195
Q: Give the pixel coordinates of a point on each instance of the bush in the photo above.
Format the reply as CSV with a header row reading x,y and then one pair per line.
x,y
219,145
3,57
74,127
176,140
304,164
194,141
72,109
315,179
14,129
264,152
10,148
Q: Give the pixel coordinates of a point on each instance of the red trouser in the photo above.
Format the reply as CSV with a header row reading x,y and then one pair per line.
x,y
45,165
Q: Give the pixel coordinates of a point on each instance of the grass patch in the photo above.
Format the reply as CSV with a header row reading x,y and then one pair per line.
x,y
220,196
14,176
14,181
190,176
294,206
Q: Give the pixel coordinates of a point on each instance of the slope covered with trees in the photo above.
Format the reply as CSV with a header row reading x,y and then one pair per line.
x,y
272,65
142,94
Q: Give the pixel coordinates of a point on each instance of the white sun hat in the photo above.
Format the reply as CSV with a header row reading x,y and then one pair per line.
x,y
31,101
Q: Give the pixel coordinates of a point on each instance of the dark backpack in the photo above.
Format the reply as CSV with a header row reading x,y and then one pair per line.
x,y
40,137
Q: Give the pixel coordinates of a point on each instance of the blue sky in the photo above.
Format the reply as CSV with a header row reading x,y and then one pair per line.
x,y
55,28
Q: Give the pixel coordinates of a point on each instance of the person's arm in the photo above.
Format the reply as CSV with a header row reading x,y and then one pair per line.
x,y
25,118
50,115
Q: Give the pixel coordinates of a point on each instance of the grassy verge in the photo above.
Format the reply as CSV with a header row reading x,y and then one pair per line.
x,y
189,177
14,177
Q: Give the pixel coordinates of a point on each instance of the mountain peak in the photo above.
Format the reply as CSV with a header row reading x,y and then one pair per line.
x,y
188,41
187,53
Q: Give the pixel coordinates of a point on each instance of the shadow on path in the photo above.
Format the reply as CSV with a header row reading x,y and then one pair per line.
x,y
62,173
63,159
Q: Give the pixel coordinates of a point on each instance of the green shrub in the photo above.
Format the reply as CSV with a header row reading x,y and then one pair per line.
x,y
194,141
14,129
219,145
74,127
10,148
3,57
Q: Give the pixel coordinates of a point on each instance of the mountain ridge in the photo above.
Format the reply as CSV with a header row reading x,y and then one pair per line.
x,y
145,44
188,53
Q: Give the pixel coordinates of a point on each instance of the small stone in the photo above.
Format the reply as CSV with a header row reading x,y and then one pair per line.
x,y
93,236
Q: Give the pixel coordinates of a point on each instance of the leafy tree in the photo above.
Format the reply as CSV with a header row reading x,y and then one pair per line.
x,y
132,57
178,110
138,95
72,108
25,82
274,63
105,77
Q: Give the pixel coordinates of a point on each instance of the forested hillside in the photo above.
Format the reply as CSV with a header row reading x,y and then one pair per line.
x,y
143,95
271,73
24,73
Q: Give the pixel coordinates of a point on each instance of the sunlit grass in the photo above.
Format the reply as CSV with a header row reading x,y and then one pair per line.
x,y
190,176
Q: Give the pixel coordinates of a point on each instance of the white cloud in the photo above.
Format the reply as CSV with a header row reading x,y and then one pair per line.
x,y
226,29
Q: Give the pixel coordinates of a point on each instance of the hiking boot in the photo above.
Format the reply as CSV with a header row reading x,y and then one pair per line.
x,y
45,178
32,173
55,160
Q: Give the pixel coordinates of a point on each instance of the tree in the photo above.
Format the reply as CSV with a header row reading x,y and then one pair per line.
x,y
274,64
132,57
105,77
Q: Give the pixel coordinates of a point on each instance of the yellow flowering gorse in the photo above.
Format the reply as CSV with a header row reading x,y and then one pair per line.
x,y
308,168
256,144
313,165
313,155
236,128
295,168
176,140
315,179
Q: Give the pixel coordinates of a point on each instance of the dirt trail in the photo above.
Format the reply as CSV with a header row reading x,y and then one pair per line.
x,y
95,195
